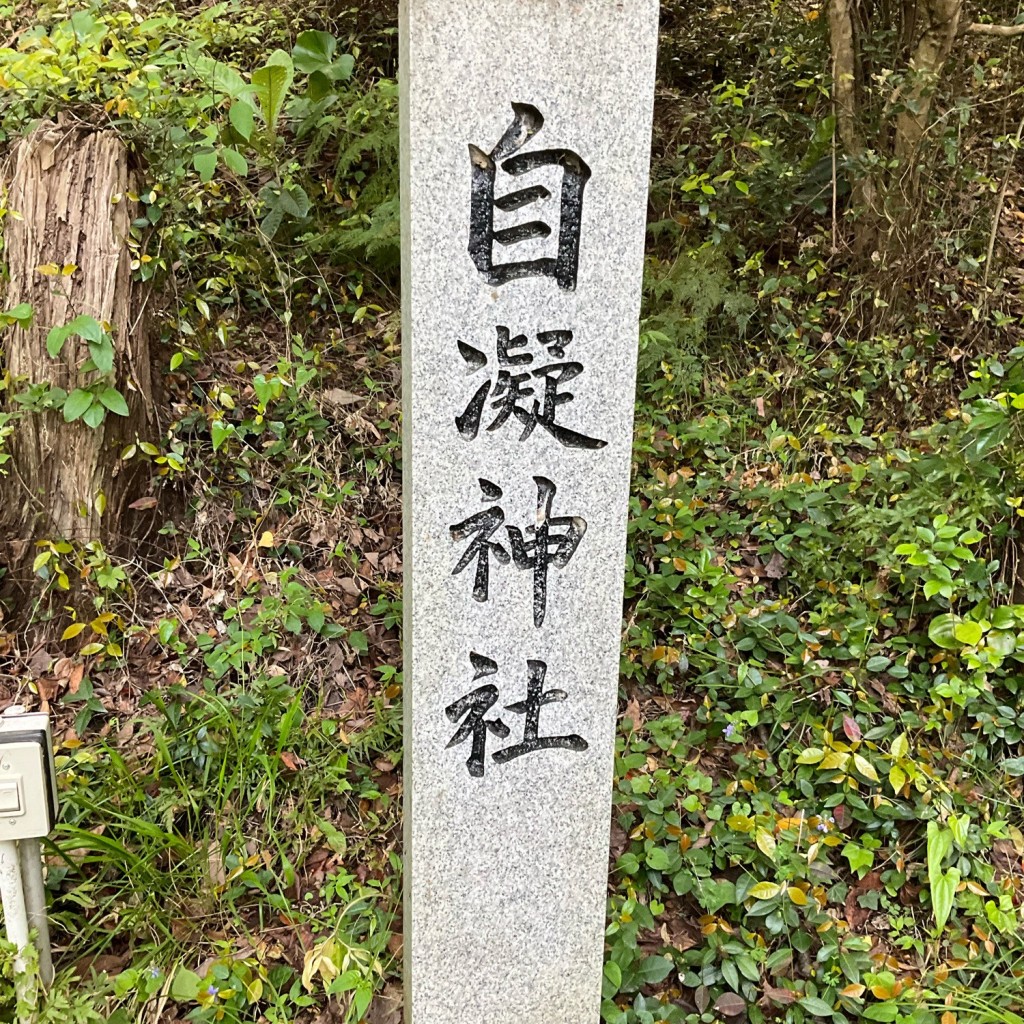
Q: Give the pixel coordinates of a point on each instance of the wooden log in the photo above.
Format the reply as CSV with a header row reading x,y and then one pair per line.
x,y
69,192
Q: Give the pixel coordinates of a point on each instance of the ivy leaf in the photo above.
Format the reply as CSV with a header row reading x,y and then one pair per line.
x,y
102,352
942,631
21,315
94,415
816,1007
76,404
114,401
654,969
55,341
765,891
943,892
968,633
87,327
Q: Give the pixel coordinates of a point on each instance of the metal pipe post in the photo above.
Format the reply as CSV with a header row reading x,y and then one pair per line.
x,y
31,855
15,913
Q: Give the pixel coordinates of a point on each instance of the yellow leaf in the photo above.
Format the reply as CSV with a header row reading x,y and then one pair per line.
x,y
812,755
865,767
266,539
897,778
92,648
853,991
114,650
949,1017
101,503
99,626
68,269
740,823
765,842
798,896
765,891
832,760
900,746
48,269
72,631
40,560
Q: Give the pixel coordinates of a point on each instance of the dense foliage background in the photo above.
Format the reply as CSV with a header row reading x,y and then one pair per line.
x,y
818,792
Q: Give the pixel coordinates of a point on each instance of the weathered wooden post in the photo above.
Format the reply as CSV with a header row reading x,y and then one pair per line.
x,y
525,150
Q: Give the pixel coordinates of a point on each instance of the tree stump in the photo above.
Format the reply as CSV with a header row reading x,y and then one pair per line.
x,y
69,196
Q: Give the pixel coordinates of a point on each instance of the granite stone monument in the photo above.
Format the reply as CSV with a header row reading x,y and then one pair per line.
x,y
526,128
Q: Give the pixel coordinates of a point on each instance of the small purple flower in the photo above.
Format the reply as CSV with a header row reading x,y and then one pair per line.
x,y
730,731
155,972
822,827
212,990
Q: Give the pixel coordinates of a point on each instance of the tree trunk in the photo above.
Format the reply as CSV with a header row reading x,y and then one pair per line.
x,y
938,22
69,193
842,39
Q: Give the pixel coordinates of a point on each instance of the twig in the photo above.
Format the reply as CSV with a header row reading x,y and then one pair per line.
x,y
1005,31
999,210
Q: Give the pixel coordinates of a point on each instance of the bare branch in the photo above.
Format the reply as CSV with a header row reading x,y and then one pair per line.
x,y
1006,31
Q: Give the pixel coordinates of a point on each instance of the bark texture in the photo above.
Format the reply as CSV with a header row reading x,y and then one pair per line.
x,y
69,189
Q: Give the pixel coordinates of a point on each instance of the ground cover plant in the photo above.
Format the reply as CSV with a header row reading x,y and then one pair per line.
x,y
818,789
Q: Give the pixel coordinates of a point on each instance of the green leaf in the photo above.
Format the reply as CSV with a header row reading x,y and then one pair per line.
x,y
943,893
860,858
102,353
76,403
185,986
815,1006
55,341
613,975
234,161
271,83
969,633
220,432
21,315
87,327
205,162
241,115
357,641
217,76
939,845
114,401
657,859
94,415
881,1011
942,631
313,50
654,969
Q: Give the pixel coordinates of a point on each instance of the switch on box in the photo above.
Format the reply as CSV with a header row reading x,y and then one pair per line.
x,y
28,790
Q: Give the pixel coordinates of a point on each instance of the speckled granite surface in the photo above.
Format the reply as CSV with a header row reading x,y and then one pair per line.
x,y
526,134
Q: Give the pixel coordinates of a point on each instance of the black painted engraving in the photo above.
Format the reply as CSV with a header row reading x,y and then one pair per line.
x,y
512,395
526,122
536,698
472,708
553,540
550,541
481,527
